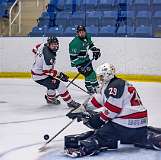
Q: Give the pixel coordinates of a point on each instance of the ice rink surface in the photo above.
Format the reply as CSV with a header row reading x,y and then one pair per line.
x,y
25,118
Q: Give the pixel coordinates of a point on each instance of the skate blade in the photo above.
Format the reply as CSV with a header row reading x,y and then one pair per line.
x,y
43,148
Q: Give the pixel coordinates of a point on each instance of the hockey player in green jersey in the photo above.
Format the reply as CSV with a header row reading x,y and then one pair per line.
x,y
78,49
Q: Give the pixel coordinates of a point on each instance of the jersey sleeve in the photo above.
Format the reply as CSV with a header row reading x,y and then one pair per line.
x,y
74,52
91,44
36,48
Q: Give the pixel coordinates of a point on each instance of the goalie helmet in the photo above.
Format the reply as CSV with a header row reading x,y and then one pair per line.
x,y
105,72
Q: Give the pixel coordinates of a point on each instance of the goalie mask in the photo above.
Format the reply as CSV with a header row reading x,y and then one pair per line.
x,y
105,72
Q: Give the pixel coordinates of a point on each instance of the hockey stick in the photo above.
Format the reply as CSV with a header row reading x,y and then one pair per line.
x,y
44,147
70,82
79,87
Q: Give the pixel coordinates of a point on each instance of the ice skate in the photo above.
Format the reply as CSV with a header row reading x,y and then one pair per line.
x,y
53,101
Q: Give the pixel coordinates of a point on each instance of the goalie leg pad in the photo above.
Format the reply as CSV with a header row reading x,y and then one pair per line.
x,y
93,145
154,129
153,141
90,146
72,141
156,141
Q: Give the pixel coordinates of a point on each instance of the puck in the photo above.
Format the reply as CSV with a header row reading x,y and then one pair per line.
x,y
46,136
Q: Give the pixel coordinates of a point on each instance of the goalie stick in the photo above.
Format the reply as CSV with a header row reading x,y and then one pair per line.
x,y
44,147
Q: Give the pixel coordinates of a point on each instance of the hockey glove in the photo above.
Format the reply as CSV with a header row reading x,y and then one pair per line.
x,y
85,70
63,77
96,53
93,121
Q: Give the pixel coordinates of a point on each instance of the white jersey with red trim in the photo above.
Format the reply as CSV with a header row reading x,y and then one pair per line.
x,y
37,48
120,103
44,63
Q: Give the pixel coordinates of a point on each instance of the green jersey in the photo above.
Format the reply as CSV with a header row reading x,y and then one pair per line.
x,y
78,49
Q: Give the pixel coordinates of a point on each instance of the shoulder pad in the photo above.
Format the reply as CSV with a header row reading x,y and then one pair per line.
x,y
115,88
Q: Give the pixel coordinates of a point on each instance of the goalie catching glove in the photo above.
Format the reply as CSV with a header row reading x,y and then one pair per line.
x,y
91,119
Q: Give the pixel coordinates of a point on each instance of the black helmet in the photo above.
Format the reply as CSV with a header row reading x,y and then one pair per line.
x,y
81,28
52,39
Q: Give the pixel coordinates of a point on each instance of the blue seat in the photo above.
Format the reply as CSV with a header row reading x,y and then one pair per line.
x,y
90,5
70,31
57,4
105,5
128,17
72,5
93,30
156,19
128,2
122,5
43,20
109,18
143,18
143,31
62,18
38,31
142,4
125,31
2,11
55,31
77,18
156,5
10,2
106,31
93,18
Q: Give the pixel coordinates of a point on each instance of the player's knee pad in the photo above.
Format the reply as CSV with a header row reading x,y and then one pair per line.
x,y
72,141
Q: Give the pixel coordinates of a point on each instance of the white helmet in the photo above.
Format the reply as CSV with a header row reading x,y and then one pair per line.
x,y
105,72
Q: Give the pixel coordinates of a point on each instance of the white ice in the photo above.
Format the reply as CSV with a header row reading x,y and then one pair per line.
x,y
25,118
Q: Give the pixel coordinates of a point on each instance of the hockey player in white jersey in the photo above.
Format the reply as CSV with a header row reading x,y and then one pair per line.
x,y
44,73
116,113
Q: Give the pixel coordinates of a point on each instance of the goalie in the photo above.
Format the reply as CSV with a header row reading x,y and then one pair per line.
x,y
44,73
115,114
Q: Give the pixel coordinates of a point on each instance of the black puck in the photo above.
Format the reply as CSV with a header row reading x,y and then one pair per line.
x,y
46,136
